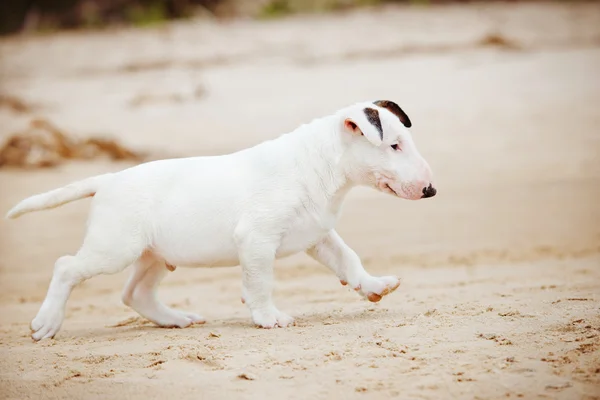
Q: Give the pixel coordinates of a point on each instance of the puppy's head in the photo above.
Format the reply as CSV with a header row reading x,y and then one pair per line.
x,y
381,152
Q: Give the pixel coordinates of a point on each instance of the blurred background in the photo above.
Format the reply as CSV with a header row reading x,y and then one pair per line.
x,y
505,103
51,15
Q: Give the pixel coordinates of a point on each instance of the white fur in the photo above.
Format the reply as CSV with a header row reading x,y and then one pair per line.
x,y
248,208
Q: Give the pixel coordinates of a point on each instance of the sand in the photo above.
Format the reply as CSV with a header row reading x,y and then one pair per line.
x,y
500,271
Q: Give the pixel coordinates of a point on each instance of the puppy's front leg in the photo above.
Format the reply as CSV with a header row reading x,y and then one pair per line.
x,y
345,263
257,255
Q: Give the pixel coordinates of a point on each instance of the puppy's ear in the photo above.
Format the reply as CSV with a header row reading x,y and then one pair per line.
x,y
396,110
365,122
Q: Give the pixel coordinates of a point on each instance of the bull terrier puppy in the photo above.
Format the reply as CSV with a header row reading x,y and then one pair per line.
x,y
247,208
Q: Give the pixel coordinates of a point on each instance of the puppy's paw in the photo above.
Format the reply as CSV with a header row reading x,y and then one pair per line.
x,y
284,320
175,319
195,318
375,288
272,318
264,319
47,322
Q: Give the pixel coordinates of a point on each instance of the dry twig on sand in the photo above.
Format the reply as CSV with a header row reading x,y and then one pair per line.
x,y
44,145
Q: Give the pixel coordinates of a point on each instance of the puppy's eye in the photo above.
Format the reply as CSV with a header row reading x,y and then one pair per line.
x,y
396,147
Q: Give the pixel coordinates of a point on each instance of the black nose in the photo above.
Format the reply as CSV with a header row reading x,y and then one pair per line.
x,y
428,191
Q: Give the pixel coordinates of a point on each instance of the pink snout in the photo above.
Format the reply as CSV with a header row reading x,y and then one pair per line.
x,y
409,189
427,187
420,190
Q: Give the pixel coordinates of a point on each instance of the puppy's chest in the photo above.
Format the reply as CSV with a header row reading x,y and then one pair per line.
x,y
306,230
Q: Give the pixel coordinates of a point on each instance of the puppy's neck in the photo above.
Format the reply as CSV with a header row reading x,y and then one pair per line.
x,y
323,150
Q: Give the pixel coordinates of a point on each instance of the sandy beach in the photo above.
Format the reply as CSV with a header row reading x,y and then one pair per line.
x,y
500,294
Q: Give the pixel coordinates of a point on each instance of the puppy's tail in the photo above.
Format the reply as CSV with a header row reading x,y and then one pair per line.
x,y
58,197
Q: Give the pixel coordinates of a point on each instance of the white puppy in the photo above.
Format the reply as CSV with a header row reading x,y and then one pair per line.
x,y
248,208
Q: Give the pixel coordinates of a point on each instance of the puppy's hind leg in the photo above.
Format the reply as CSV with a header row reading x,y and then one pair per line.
x,y
140,294
69,271
111,244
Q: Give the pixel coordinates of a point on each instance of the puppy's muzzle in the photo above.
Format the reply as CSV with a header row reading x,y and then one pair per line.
x,y
428,191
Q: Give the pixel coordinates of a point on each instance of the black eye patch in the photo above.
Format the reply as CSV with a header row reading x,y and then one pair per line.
x,y
373,117
396,110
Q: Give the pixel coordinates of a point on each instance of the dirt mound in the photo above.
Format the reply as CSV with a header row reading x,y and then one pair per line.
x,y
44,145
